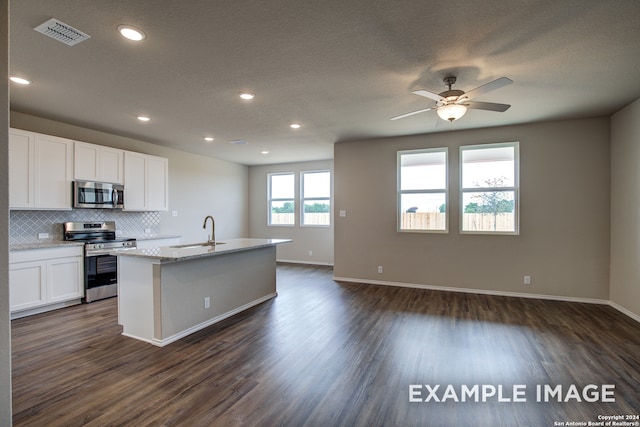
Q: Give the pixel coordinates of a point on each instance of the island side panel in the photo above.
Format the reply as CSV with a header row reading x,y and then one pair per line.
x,y
136,298
231,281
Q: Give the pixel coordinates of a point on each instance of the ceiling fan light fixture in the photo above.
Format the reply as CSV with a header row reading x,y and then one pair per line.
x,y
451,112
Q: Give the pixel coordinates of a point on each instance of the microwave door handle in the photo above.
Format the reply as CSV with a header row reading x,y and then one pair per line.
x,y
114,197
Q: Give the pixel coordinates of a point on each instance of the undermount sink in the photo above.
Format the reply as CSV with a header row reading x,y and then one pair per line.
x,y
196,245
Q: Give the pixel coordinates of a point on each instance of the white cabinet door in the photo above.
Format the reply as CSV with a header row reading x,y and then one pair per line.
x,y
111,165
85,161
65,279
40,171
21,169
41,277
134,181
97,163
53,172
145,182
157,184
27,287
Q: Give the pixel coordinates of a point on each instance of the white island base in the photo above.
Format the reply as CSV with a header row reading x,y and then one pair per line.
x,y
161,300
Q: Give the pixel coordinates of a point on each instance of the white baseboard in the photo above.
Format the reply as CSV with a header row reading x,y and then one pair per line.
x,y
44,309
623,310
195,328
491,292
474,291
293,261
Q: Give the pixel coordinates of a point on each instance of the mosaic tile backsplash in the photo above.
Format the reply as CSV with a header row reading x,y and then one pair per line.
x,y
25,225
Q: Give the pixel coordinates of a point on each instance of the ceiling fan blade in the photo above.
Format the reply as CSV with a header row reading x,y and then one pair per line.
x,y
402,116
430,95
491,106
485,88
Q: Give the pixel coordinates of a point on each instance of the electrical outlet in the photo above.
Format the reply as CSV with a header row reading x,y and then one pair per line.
x,y
380,269
527,280
343,213
207,302
310,253
174,213
147,230
43,235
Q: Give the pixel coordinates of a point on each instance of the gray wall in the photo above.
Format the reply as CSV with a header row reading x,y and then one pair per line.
x,y
198,185
5,323
564,215
625,208
318,240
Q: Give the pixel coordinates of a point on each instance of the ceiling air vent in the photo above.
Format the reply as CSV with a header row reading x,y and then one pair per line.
x,y
62,32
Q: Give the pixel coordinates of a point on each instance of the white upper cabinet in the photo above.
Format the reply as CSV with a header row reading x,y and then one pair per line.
x,y
42,168
21,169
97,163
146,185
40,171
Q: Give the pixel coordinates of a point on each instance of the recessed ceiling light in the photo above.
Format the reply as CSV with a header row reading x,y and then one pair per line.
x,y
131,33
143,118
20,80
247,96
264,152
295,126
208,138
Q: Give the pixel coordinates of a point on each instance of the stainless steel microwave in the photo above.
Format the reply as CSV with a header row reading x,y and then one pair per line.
x,y
98,195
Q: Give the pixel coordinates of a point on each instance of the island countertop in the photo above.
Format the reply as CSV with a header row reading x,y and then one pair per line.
x,y
184,252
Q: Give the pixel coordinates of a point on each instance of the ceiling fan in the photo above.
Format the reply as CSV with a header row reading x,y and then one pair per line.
x,y
453,103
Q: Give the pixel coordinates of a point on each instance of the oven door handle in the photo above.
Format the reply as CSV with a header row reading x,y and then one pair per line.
x,y
101,252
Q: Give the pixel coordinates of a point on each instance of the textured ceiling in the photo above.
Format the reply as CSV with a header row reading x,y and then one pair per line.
x,y
341,68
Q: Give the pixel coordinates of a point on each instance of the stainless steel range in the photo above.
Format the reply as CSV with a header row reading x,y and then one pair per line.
x,y
100,268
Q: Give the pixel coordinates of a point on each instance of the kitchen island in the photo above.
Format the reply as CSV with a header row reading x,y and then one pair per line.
x,y
167,293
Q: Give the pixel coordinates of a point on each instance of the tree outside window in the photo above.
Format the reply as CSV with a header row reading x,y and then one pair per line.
x,y
489,177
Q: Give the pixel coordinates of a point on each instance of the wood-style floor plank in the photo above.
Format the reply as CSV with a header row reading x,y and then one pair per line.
x,y
327,354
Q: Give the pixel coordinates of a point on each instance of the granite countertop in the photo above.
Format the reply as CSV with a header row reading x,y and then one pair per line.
x,y
60,243
149,236
42,245
185,252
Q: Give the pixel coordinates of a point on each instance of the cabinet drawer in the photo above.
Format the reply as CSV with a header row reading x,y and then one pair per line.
x,y
45,253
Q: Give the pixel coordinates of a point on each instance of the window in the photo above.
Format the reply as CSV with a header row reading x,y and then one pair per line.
x,y
316,198
489,188
422,190
282,202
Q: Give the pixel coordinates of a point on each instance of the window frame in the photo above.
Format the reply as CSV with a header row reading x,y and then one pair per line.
x,y
515,188
400,192
303,198
271,199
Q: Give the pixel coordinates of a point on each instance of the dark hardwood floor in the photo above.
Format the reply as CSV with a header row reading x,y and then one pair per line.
x,y
330,354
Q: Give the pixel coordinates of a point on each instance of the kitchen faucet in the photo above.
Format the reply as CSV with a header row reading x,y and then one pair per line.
x,y
212,237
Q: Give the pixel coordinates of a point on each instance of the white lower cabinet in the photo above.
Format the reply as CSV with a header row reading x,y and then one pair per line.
x,y
45,277
27,285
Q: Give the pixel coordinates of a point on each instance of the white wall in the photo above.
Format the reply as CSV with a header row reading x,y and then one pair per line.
x,y
198,185
564,215
5,322
625,209
318,240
